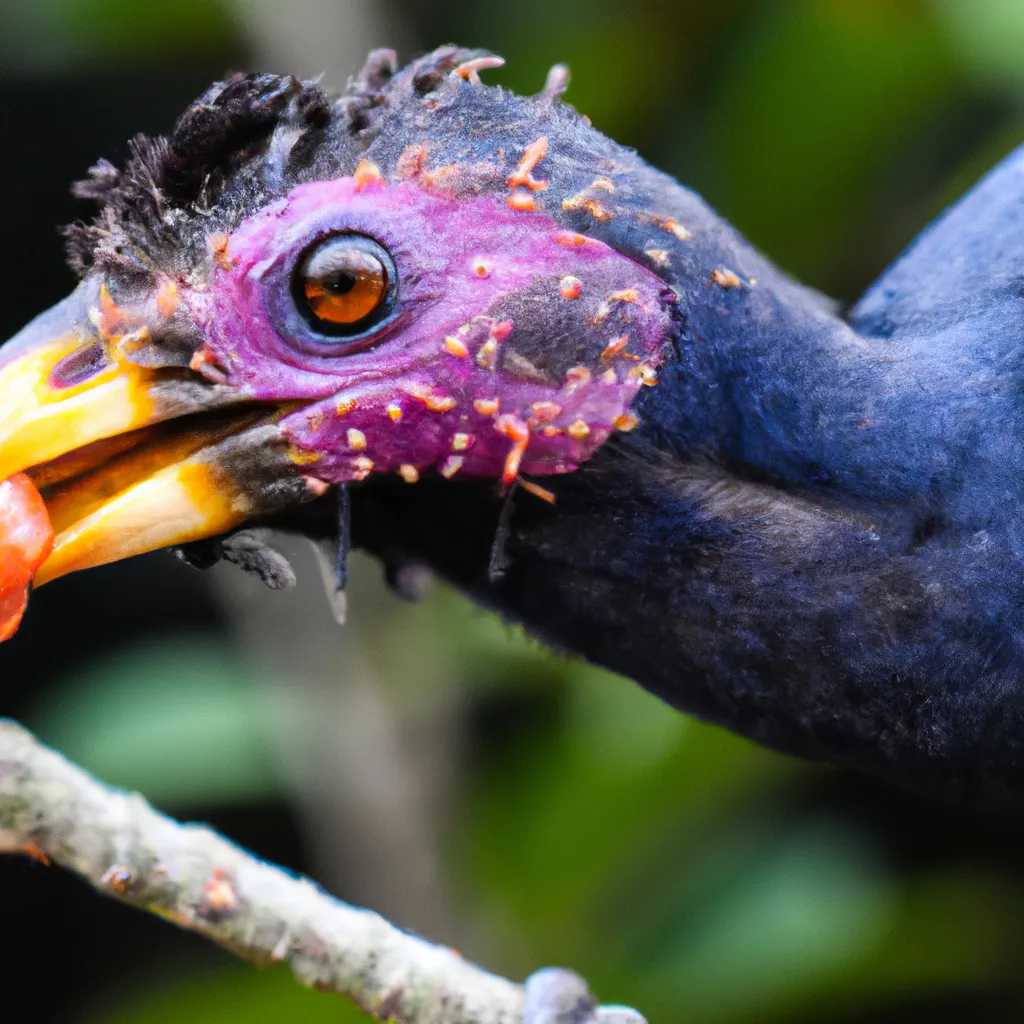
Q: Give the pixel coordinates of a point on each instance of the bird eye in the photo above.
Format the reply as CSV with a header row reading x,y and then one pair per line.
x,y
345,285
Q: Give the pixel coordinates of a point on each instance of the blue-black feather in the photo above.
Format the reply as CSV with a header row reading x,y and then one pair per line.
x,y
815,536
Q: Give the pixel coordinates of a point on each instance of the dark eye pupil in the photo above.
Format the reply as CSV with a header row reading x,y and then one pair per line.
x,y
340,283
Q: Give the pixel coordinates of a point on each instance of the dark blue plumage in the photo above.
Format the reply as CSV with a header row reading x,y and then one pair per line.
x,y
814,537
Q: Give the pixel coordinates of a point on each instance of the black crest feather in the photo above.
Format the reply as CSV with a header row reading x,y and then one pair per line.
x,y
249,138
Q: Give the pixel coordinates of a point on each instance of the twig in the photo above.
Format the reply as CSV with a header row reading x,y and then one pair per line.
x,y
51,809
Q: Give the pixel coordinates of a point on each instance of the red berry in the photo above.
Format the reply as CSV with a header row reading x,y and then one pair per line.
x,y
26,539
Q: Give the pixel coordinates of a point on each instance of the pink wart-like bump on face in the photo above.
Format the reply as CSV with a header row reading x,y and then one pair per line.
x,y
507,345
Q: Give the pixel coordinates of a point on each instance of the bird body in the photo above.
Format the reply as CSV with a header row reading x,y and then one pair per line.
x,y
553,374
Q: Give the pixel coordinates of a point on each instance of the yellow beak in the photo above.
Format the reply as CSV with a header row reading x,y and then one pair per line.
x,y
40,421
131,459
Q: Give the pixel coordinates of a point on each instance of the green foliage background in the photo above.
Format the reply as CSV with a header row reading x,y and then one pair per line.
x,y
681,869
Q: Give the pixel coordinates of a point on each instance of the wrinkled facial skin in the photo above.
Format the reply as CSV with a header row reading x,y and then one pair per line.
x,y
513,343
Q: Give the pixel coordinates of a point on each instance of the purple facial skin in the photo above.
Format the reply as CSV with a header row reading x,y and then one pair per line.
x,y
514,344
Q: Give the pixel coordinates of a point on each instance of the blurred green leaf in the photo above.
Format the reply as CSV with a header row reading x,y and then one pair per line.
x,y
812,917
48,35
178,721
988,38
807,110
570,819
790,913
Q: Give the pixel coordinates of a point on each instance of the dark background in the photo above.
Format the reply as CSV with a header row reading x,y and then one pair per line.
x,y
427,760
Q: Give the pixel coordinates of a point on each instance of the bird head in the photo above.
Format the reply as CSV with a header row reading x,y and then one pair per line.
x,y
291,292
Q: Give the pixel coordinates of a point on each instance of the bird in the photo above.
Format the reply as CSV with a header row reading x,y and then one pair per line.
x,y
465,331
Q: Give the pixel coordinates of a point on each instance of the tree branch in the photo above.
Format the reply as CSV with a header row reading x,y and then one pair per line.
x,y
51,809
